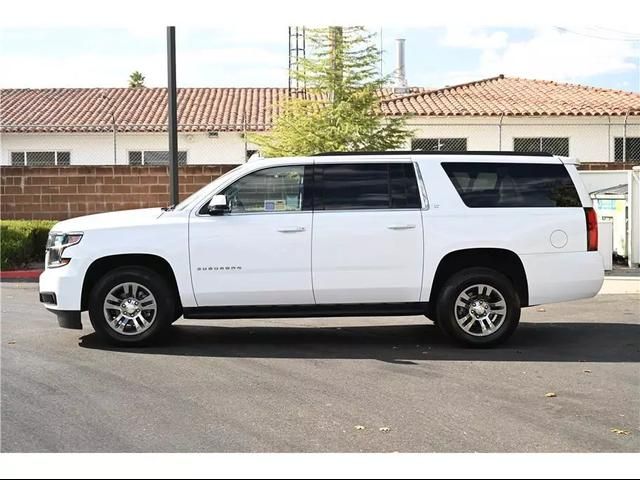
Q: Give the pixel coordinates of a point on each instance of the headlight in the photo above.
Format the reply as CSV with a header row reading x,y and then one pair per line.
x,y
56,244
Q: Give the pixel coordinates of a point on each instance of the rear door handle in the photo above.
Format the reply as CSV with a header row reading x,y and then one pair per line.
x,y
401,227
291,229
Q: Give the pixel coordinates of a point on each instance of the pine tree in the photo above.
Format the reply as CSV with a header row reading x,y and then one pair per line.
x,y
136,80
340,111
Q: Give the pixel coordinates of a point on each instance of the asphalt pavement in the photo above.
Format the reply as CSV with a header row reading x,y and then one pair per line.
x,y
324,385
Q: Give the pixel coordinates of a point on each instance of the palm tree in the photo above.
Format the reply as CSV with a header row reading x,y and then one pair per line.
x,y
136,80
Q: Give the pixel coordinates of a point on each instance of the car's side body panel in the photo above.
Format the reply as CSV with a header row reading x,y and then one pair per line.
x,y
556,237
147,232
369,256
251,259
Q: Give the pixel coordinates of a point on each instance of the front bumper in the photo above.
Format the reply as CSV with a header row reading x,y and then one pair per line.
x,y
61,293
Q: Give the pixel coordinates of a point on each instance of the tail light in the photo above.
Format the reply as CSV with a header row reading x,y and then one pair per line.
x,y
592,229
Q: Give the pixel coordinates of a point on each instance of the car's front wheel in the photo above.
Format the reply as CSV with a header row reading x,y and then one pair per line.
x,y
131,306
478,307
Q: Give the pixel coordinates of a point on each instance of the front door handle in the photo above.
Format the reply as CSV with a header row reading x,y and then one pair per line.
x,y
401,227
291,229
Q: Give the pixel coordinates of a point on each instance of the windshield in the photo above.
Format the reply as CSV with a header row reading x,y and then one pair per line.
x,y
205,191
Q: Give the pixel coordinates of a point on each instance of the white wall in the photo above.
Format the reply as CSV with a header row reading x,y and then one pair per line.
x,y
598,179
97,149
591,139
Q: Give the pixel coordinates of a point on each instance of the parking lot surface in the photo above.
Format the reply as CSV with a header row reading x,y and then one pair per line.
x,y
324,385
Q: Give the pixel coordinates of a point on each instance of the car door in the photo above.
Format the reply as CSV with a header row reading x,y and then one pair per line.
x,y
367,235
260,252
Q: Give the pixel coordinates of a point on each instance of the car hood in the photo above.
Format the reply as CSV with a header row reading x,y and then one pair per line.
x,y
124,218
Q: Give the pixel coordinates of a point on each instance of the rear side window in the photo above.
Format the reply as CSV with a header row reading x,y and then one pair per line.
x,y
357,186
512,184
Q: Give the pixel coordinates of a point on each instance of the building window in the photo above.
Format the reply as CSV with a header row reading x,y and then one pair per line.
x,y
552,145
154,157
632,153
40,159
439,144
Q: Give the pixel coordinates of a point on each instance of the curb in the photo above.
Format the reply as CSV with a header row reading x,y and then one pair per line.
x,y
20,275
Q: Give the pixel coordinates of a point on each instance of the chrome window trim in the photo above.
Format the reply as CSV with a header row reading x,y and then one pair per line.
x,y
364,210
298,212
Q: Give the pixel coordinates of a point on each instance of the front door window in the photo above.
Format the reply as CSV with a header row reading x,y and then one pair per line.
x,y
276,189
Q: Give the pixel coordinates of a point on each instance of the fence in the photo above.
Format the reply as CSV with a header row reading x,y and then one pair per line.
x,y
590,139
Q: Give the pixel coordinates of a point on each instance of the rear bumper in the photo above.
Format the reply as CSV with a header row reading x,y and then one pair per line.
x,y
560,277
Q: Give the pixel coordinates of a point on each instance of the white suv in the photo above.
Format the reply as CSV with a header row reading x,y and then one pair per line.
x,y
466,239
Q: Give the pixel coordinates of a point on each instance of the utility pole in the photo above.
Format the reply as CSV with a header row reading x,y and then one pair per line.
x,y
113,126
173,116
115,146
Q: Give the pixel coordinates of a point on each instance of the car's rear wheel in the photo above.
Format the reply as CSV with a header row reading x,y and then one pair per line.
x,y
131,306
479,307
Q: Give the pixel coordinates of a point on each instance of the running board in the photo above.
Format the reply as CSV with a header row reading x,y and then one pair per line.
x,y
325,310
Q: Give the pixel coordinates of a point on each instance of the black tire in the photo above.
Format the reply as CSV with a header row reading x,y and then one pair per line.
x,y
150,280
464,281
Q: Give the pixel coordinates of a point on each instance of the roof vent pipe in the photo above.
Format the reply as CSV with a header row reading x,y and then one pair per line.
x,y
400,85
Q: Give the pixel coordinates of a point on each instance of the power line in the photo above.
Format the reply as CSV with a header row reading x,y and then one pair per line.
x,y
599,37
620,32
606,38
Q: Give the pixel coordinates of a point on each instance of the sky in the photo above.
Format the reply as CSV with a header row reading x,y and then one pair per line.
x,y
257,57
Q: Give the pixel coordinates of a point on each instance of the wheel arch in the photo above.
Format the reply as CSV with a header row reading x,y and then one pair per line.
x,y
502,260
102,265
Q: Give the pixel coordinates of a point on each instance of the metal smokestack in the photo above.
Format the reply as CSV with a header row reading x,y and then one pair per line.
x,y
400,85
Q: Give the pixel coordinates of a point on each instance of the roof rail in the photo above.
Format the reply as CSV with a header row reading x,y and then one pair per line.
x,y
429,152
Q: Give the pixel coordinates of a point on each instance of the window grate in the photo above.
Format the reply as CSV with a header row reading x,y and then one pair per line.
x,y
552,145
439,144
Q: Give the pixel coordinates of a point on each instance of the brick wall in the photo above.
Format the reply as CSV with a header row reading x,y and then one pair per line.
x,y
56,193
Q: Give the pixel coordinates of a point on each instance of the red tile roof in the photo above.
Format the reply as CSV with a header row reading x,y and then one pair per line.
x,y
512,96
136,109
141,109
234,109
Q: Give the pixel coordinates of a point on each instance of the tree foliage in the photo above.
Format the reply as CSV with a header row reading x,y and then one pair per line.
x,y
338,110
136,80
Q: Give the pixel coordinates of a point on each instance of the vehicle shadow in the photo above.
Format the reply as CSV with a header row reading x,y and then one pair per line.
x,y
404,344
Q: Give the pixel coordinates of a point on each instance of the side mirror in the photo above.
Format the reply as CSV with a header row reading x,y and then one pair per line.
x,y
218,205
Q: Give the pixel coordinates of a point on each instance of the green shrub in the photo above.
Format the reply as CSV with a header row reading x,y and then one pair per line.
x,y
23,242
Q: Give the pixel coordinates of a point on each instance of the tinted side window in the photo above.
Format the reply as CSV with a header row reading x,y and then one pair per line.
x,y
512,185
404,186
356,186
